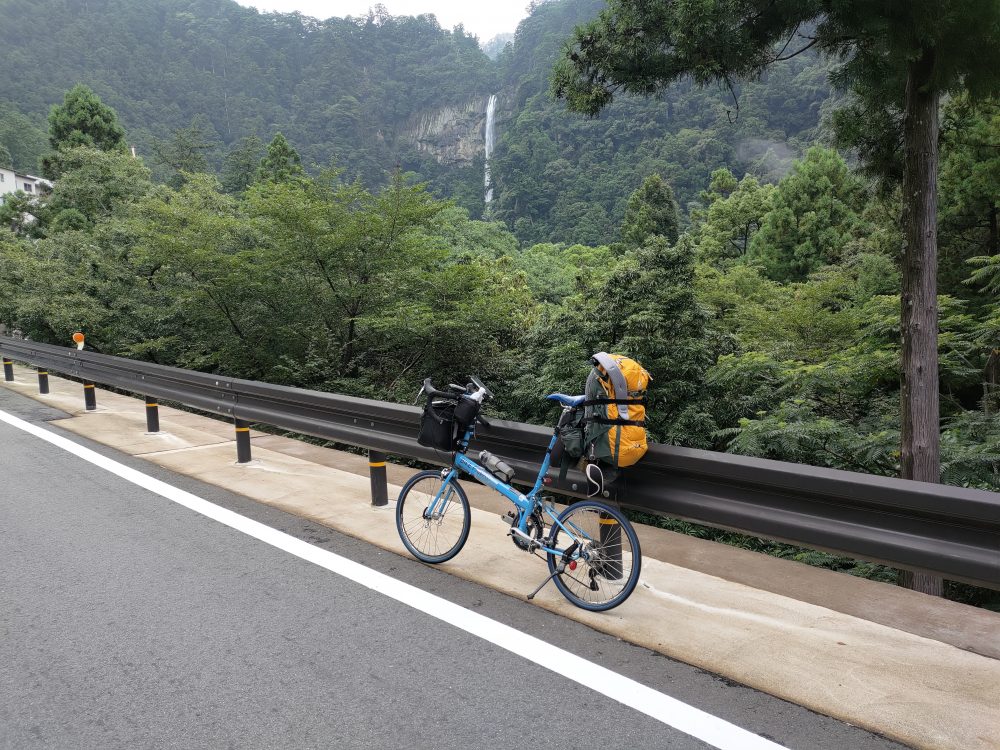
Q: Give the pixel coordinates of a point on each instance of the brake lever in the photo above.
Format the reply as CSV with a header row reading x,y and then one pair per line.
x,y
419,394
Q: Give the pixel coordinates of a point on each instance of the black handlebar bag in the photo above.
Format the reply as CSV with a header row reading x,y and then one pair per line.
x,y
437,425
465,415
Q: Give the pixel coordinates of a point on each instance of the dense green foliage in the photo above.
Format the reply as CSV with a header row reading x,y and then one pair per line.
x,y
23,138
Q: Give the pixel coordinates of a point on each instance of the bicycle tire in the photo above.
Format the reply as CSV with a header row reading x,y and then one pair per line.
x,y
427,539
610,576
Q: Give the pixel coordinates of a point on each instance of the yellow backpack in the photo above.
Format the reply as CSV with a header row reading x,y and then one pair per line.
x,y
615,410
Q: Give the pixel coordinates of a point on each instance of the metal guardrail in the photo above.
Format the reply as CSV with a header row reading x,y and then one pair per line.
x,y
949,531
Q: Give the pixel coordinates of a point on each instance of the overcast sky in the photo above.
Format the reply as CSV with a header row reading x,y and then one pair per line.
x,y
485,19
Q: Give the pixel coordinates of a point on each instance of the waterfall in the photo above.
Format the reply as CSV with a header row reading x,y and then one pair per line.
x,y
491,110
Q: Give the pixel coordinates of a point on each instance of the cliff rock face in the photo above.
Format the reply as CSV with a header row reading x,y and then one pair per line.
x,y
453,135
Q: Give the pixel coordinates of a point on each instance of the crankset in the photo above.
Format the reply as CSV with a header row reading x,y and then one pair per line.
x,y
532,540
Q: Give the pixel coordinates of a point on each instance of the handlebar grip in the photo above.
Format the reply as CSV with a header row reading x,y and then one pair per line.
x,y
433,392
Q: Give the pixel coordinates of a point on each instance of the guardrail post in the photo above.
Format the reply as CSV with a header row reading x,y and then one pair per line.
x,y
611,541
242,441
89,395
152,415
376,472
8,370
43,381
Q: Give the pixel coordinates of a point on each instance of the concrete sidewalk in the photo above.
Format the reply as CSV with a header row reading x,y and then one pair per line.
x,y
923,671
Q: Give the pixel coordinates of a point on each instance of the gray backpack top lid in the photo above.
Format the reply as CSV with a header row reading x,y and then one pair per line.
x,y
606,361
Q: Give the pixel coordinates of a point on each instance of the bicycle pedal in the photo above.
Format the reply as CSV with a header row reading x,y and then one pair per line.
x,y
508,517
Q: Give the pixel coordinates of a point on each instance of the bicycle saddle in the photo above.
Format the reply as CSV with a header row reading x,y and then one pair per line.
x,y
565,400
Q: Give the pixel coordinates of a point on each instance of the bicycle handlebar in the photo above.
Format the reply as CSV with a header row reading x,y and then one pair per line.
x,y
476,391
433,392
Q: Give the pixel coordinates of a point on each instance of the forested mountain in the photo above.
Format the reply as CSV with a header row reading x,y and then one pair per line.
x,y
349,92
370,94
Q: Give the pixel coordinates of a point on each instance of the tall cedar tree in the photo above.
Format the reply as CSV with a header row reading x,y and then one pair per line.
x,y
239,170
281,163
651,210
81,120
929,46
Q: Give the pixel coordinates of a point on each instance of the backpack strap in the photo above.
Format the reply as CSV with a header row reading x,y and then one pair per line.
x,y
592,379
560,457
626,401
564,464
618,381
602,420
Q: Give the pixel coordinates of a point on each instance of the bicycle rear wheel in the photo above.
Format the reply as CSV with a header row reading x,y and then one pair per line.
x,y
607,570
432,518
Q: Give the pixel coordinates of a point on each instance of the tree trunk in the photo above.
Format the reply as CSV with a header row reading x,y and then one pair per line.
x,y
994,243
991,379
348,355
920,450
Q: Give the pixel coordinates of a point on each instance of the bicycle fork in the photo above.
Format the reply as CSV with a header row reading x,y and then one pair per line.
x,y
437,507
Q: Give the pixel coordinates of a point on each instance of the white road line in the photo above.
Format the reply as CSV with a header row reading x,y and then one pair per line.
x,y
687,719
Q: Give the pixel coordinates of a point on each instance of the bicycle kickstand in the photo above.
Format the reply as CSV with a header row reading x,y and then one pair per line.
x,y
559,570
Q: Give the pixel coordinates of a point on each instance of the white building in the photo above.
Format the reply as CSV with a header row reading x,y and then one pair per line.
x,y
11,182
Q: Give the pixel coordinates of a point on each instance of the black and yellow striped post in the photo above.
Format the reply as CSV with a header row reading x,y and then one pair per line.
x,y
376,472
43,381
611,541
242,441
89,395
152,415
8,370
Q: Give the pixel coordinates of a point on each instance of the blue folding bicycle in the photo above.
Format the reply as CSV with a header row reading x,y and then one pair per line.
x,y
591,549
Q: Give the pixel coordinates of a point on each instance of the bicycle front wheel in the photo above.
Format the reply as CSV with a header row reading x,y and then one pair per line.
x,y
606,559
432,517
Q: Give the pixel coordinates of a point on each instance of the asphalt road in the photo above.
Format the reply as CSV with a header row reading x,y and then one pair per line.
x,y
128,621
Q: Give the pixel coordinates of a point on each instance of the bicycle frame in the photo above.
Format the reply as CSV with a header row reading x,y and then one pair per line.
x,y
525,503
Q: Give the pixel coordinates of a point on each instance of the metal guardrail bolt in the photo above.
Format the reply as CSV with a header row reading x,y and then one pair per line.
x,y
377,474
152,415
242,441
43,381
8,370
89,395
